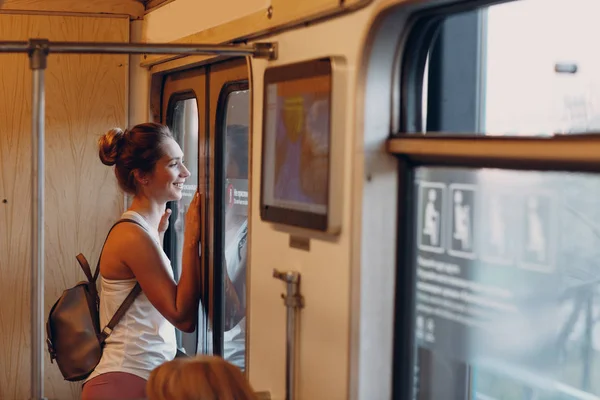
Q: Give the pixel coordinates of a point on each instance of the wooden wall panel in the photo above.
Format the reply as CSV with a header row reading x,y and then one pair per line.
x,y
85,96
133,8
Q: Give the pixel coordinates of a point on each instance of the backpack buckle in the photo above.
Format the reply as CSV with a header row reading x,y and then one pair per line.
x,y
106,332
51,351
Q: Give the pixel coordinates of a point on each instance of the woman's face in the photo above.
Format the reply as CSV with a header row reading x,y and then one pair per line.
x,y
166,182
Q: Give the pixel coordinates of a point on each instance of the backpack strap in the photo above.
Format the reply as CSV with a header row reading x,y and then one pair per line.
x,y
97,271
85,266
120,312
137,289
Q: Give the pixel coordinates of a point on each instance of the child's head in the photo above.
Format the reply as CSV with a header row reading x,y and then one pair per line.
x,y
198,378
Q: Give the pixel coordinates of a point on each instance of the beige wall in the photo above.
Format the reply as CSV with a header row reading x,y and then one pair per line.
x,y
185,17
85,95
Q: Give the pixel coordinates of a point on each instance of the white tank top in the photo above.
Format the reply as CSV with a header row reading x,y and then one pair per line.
x,y
143,339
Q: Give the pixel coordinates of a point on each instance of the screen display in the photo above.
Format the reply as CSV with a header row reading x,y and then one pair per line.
x,y
507,279
297,140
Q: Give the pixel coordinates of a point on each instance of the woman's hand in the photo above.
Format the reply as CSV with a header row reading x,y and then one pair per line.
x,y
193,221
163,225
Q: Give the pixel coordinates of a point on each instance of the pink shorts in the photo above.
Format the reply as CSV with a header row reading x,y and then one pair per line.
x,y
114,385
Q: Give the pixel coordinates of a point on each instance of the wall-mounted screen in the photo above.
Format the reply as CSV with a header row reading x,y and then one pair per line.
x,y
296,144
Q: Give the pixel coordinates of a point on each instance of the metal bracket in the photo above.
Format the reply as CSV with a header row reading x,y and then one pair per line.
x,y
287,277
296,301
38,51
292,298
266,50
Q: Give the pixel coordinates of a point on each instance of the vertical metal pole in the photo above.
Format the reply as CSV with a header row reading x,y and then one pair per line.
x,y
293,301
290,348
37,56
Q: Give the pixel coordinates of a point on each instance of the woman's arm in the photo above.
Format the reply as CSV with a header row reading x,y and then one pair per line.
x,y
178,303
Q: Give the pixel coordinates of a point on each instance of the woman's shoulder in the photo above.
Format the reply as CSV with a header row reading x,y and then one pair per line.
x,y
131,229
131,215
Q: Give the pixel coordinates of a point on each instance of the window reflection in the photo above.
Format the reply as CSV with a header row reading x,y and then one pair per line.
x,y
235,188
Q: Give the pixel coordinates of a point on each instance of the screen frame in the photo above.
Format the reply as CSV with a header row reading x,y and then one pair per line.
x,y
279,214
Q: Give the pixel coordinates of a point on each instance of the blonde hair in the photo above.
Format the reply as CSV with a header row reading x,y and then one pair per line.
x,y
198,378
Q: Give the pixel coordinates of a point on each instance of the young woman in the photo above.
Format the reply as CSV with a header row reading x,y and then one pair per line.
x,y
148,165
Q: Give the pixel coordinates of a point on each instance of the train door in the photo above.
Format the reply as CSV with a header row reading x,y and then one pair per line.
x,y
184,111
497,282
208,112
229,127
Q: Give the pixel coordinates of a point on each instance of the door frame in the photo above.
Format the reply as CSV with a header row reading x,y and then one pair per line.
x,y
208,83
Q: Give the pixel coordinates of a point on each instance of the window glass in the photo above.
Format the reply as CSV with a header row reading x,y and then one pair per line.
x,y
507,284
235,207
184,126
521,68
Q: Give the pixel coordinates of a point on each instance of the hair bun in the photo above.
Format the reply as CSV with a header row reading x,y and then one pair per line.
x,y
109,145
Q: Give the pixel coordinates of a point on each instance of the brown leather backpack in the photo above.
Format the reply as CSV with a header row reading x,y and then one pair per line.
x,y
73,327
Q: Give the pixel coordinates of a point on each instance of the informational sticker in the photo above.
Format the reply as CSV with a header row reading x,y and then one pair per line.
x,y
467,308
462,221
497,240
539,232
430,214
236,196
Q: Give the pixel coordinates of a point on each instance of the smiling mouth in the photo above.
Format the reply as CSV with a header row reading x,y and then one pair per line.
x,y
179,185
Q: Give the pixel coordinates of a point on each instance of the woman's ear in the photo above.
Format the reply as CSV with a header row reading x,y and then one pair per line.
x,y
140,177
